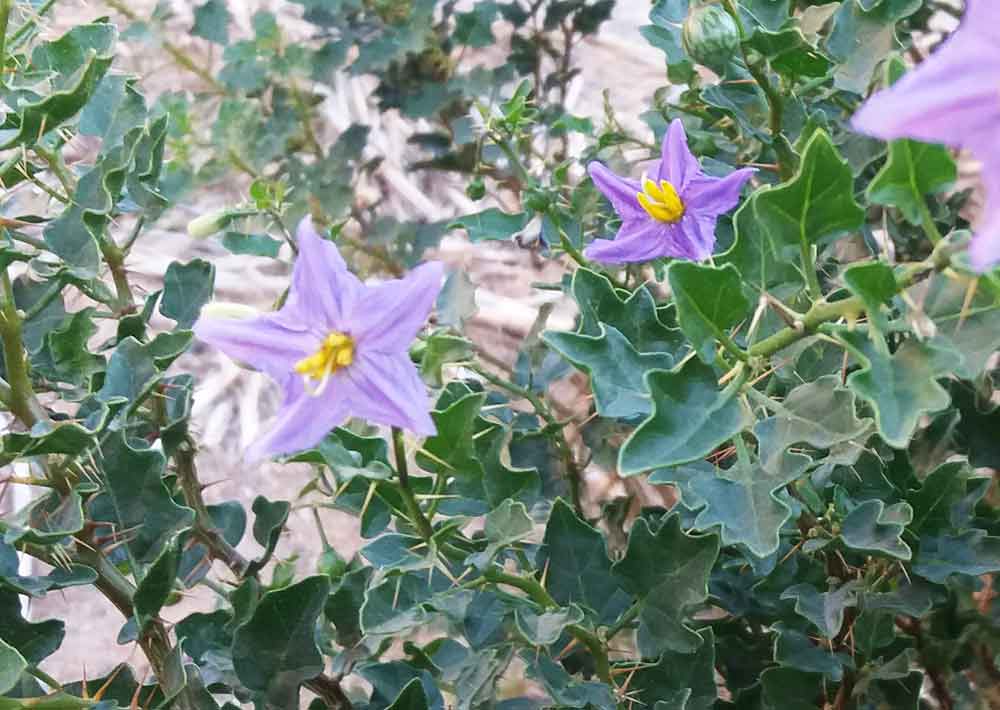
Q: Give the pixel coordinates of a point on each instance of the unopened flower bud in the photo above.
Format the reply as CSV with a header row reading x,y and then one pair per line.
x,y
225,310
209,224
710,35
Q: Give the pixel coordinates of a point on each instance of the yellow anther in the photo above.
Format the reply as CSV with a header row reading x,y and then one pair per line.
x,y
661,201
335,352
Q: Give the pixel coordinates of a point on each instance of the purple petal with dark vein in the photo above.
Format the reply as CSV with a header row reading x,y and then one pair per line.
x,y
323,290
716,196
387,317
621,192
265,343
638,240
303,420
388,390
677,164
951,98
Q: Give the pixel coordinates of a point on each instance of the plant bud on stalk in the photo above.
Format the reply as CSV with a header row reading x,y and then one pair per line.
x,y
710,35
209,224
226,310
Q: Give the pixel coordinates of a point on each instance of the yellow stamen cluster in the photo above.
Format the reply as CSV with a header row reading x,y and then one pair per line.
x,y
661,201
335,353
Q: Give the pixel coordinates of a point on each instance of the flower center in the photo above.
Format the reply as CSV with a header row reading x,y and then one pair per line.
x,y
335,353
661,201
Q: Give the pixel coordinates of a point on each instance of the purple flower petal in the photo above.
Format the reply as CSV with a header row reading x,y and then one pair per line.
x,y
677,165
303,420
984,251
265,343
387,317
637,240
711,196
323,290
621,192
696,236
983,18
951,98
388,390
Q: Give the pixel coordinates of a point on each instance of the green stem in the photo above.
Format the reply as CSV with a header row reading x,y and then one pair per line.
x,y
115,259
57,167
23,403
204,527
824,312
45,678
32,22
553,429
775,101
413,508
809,268
537,593
927,222
625,621
5,8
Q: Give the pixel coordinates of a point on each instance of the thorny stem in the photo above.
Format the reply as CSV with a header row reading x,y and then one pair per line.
x,y
775,101
23,403
326,688
57,167
825,312
538,594
413,508
115,259
553,429
204,528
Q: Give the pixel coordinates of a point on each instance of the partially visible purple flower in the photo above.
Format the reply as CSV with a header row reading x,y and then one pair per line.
x,y
337,347
953,97
671,214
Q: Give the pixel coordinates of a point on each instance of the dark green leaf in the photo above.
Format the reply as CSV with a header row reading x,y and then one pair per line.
x,y
690,418
275,650
873,527
34,641
578,564
972,552
862,38
825,610
186,288
814,207
901,386
668,571
211,21
745,502
141,502
617,371
251,244
709,301
12,664
157,583
491,224
267,527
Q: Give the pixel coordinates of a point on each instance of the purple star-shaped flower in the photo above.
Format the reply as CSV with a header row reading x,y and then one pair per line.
x,y
672,214
953,97
339,348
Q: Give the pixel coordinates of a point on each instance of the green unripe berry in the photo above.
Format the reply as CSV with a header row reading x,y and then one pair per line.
x,y
710,35
476,189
